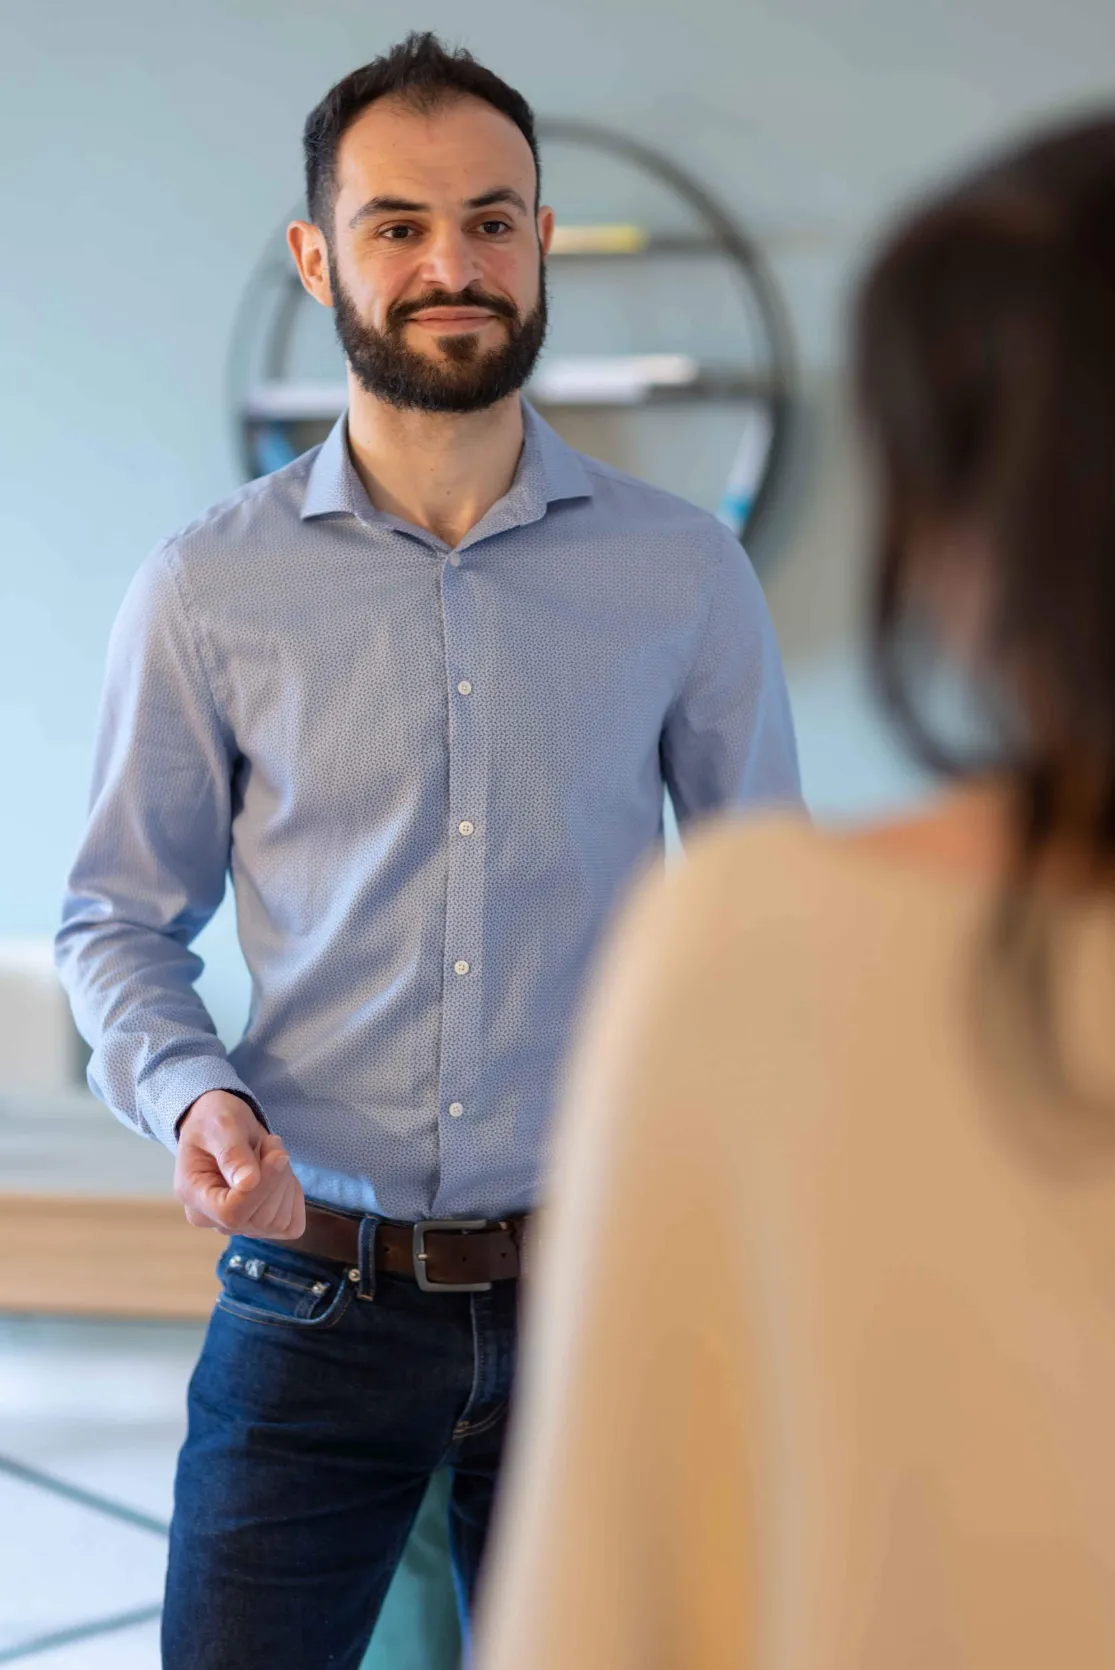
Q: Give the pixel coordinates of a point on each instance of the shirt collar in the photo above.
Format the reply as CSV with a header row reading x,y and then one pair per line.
x,y
333,487
548,471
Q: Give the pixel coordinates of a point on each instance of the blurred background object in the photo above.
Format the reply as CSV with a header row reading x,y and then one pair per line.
x,y
40,1049
148,153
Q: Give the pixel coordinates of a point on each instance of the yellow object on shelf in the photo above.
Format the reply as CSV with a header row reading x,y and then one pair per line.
x,y
615,239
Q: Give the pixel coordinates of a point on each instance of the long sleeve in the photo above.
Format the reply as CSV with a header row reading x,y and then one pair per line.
x,y
729,738
623,1538
152,866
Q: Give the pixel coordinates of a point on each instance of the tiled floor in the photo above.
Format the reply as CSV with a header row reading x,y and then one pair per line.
x,y
126,1649
100,1406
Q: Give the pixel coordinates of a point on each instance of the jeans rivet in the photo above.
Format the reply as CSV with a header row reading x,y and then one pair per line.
x,y
354,1275
318,1289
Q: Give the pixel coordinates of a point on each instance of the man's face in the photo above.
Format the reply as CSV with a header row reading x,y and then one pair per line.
x,y
436,259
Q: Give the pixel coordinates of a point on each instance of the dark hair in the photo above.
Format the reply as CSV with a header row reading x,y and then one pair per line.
x,y
985,372
421,72
985,369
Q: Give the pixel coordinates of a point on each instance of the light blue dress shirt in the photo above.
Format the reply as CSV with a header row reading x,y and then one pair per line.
x,y
430,774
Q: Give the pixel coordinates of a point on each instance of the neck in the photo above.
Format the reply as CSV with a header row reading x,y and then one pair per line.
x,y
442,471
965,829
971,829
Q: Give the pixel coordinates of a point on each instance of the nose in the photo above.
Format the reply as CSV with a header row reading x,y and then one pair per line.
x,y
450,260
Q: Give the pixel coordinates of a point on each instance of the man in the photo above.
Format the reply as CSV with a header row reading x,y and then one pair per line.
x,y
420,692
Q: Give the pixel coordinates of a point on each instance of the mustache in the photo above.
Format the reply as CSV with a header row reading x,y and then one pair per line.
x,y
400,312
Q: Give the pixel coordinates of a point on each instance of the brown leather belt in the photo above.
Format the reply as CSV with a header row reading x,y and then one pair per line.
x,y
465,1254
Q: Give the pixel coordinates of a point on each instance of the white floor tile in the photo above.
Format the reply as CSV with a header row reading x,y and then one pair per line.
x,y
65,1565
127,1649
100,1406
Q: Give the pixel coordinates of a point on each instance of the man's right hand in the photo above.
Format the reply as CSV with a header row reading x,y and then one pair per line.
x,y
232,1175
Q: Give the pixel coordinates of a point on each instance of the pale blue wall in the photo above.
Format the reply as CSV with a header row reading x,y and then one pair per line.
x,y
148,150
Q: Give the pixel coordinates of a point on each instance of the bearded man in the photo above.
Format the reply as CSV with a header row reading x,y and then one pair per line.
x,y
420,693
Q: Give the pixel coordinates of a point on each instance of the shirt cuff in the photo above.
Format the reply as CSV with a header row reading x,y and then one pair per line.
x,y
167,1096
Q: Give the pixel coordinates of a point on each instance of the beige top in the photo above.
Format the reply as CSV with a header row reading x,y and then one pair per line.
x,y
820,1366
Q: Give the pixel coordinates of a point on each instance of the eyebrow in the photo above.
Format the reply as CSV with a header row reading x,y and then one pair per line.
x,y
502,194
403,205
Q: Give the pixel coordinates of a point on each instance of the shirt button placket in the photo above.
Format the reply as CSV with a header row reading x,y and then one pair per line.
x,y
461,1029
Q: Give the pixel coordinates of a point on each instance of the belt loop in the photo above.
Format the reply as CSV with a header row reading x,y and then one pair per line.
x,y
522,1233
366,1257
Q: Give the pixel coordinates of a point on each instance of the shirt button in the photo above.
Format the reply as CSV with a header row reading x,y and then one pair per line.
x,y
454,558
455,1110
466,828
465,688
461,967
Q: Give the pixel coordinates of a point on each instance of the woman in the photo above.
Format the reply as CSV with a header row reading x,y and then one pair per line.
x,y
822,1371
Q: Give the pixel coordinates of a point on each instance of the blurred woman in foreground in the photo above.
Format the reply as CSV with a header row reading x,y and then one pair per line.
x,y
823,1361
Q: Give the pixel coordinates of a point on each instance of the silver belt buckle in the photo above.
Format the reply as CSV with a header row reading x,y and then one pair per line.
x,y
453,1225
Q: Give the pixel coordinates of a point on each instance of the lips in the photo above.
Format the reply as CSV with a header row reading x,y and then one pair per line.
x,y
456,318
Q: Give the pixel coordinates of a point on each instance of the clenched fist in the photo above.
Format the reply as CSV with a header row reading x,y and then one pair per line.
x,y
232,1175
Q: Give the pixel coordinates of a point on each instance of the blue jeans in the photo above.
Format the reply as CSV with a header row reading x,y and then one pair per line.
x,y
317,1417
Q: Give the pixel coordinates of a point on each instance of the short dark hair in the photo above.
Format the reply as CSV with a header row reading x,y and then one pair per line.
x,y
421,72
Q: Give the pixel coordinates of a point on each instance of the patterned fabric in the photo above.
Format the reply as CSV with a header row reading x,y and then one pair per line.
x,y
431,774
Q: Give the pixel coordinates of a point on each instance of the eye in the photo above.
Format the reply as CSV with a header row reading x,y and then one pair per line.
x,y
493,228
396,234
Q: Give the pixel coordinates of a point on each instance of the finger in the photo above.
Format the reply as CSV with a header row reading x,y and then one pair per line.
x,y
253,1211
201,1182
298,1219
275,1176
199,1220
201,1185
196,1175
228,1208
239,1165
274,1211
295,1222
276,1161
280,1222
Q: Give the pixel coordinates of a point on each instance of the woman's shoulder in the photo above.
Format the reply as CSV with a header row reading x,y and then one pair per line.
x,y
768,900
675,921
774,840
753,867
740,881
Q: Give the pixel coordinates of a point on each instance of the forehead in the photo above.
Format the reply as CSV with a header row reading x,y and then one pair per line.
x,y
457,151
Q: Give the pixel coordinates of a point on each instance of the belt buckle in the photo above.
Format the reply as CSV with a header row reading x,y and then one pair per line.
x,y
459,1226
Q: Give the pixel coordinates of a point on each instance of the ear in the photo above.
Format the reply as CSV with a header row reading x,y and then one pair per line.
x,y
545,229
307,245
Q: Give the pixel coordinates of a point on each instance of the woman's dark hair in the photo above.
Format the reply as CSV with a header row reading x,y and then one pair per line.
x,y
985,372
422,73
984,363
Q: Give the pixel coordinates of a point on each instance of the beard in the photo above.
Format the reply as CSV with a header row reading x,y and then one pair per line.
x,y
466,378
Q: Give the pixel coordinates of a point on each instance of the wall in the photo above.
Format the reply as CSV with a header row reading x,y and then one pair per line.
x,y
147,151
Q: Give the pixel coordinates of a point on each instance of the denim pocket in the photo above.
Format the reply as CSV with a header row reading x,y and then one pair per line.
x,y
261,1283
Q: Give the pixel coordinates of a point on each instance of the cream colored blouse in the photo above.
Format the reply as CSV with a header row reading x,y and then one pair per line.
x,y
819,1368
